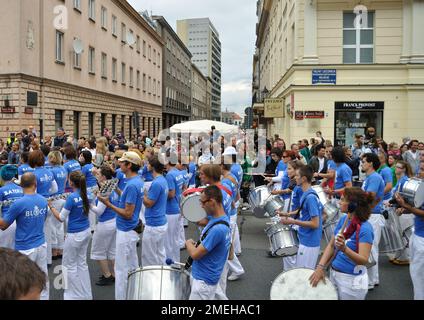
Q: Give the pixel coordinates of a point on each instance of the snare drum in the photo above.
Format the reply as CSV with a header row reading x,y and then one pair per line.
x,y
413,192
321,194
391,234
283,240
158,283
190,205
294,285
257,198
273,204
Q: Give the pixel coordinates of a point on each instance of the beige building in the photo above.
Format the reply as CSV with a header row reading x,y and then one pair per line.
x,y
47,82
338,67
200,109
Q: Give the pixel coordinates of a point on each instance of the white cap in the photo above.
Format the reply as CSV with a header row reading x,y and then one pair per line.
x,y
229,151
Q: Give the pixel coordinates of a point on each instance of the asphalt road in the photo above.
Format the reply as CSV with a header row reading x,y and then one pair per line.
x,y
261,270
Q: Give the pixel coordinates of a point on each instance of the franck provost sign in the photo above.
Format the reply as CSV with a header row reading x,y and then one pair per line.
x,y
374,105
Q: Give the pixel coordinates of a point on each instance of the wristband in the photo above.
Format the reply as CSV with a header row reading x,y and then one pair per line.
x,y
321,266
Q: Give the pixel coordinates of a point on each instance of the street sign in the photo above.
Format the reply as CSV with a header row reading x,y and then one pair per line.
x,y
274,108
298,115
314,114
324,76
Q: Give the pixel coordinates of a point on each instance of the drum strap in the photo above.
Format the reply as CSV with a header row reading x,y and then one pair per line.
x,y
301,205
220,186
216,223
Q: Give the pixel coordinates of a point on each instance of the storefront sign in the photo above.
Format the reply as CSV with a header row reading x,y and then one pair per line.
x,y
298,115
29,110
314,114
376,105
324,76
8,109
274,108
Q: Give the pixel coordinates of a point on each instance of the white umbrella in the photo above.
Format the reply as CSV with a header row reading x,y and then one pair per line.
x,y
203,126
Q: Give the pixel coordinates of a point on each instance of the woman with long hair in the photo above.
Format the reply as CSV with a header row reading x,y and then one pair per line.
x,y
101,149
74,260
349,249
103,247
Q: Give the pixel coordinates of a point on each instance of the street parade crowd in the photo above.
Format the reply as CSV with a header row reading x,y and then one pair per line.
x,y
59,194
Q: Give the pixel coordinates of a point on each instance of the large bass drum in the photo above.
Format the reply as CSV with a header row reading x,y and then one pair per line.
x,y
190,205
294,285
413,192
391,234
257,199
158,283
283,240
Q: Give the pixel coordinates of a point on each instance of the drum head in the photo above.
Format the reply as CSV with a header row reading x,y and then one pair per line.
x,y
294,285
419,196
191,208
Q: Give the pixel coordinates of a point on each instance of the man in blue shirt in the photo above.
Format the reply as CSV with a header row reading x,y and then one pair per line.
x,y
210,256
127,219
374,183
9,191
155,201
310,224
30,213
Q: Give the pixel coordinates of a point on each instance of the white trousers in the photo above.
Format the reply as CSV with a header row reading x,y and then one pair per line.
x,y
126,260
377,221
153,246
200,290
306,257
103,246
57,228
416,267
75,268
172,237
93,220
221,289
181,238
39,256
406,221
234,265
48,236
237,243
7,237
349,287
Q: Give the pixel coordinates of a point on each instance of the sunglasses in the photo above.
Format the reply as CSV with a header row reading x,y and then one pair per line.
x,y
400,167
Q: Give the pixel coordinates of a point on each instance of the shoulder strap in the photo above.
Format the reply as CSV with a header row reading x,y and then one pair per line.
x,y
216,223
301,205
220,186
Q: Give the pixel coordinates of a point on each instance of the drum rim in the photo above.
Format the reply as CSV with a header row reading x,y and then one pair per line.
x,y
327,280
185,199
158,268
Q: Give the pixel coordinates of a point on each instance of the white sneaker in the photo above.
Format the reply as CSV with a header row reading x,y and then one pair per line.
x,y
234,277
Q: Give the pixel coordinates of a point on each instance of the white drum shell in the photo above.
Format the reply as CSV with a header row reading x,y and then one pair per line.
x,y
391,234
191,208
283,240
272,204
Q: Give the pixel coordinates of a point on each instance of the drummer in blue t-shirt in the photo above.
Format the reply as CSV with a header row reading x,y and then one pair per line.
x,y
210,256
351,246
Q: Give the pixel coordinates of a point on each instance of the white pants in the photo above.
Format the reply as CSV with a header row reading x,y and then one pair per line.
x,y
306,257
153,246
200,290
48,236
103,246
349,287
406,221
39,256
377,221
172,237
234,265
93,220
416,267
7,237
237,243
221,289
126,260
75,268
181,237
57,228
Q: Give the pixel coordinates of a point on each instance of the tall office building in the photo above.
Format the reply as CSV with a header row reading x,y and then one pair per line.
x,y
202,39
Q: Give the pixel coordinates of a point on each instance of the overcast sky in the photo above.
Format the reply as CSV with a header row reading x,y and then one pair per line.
x,y
235,21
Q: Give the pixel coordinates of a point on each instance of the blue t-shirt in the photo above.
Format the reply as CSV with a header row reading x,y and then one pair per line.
x,y
285,182
90,179
46,163
71,166
297,195
30,213
374,183
226,201
366,235
10,191
386,174
331,165
109,214
343,175
419,225
312,207
192,171
78,219
230,185
146,174
175,182
281,166
185,176
217,243
122,179
399,185
24,168
44,180
132,194
158,192
60,175
237,171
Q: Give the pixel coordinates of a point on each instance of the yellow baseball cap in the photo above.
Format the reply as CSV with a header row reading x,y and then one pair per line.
x,y
131,157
